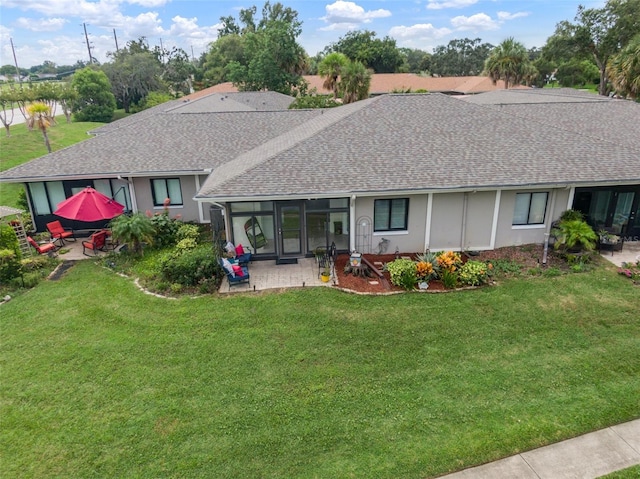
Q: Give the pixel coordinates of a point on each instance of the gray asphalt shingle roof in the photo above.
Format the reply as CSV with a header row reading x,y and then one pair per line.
x,y
164,143
421,142
391,143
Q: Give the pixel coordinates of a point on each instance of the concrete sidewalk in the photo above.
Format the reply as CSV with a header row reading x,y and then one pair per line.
x,y
584,457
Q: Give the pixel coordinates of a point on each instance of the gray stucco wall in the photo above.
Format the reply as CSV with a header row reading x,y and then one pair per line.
x,y
408,241
188,211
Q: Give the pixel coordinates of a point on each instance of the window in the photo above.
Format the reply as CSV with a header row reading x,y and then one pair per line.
x,y
530,208
45,196
391,215
166,188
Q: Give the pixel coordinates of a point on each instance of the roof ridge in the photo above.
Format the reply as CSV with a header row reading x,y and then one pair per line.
x,y
279,144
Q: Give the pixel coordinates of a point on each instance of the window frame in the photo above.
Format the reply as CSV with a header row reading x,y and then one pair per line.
x,y
390,202
160,202
530,201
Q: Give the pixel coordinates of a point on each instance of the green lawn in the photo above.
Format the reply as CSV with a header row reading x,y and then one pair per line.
x,y
101,380
24,145
630,473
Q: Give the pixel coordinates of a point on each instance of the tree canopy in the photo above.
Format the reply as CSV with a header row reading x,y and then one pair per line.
x,y
510,62
460,57
382,56
95,102
259,54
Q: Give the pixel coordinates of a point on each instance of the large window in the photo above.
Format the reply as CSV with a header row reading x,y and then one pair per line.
x,y
166,188
530,208
391,215
45,196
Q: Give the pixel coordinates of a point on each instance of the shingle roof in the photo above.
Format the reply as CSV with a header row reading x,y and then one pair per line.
x,y
429,142
164,143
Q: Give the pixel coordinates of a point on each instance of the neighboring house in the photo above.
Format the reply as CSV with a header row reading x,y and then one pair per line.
x,y
382,83
423,171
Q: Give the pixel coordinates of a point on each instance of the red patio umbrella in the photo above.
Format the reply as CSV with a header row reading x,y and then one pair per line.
x,y
89,205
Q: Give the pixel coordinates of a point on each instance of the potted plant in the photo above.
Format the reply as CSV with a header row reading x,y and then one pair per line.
x,y
325,275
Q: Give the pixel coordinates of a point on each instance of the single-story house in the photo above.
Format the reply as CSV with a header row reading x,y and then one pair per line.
x,y
403,171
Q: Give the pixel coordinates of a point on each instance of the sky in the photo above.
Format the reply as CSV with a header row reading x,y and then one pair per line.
x,y
54,30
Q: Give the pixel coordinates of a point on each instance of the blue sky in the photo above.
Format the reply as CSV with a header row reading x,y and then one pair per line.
x,y
53,29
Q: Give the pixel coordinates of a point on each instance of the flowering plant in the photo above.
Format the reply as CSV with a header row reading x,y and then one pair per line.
x,y
449,261
631,271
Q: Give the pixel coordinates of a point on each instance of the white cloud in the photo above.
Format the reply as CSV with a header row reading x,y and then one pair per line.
x,y
436,5
510,16
188,29
479,21
348,15
148,3
41,25
422,32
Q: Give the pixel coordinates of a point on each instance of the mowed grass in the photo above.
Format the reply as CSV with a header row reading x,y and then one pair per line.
x,y
102,380
24,145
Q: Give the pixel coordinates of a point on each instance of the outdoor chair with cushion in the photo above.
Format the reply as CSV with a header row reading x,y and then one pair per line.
x,y
45,248
97,242
58,233
235,273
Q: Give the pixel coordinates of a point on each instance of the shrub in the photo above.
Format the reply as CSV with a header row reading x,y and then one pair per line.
x,y
9,265
473,273
571,215
574,235
133,230
403,273
166,230
190,267
186,244
187,231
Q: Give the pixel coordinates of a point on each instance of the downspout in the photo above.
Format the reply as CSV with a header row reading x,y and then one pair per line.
x,y
427,228
547,229
463,233
352,223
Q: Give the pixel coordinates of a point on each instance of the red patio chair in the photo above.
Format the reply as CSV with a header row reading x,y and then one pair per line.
x,y
60,233
97,242
46,248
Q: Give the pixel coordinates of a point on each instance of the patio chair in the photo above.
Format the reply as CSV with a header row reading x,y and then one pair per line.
x,y
97,242
235,273
58,233
45,248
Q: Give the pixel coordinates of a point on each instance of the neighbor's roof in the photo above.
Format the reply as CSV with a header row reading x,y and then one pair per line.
x,y
407,143
207,102
398,82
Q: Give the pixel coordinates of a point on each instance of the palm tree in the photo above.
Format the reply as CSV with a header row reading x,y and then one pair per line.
x,y
40,114
624,69
330,68
509,61
355,82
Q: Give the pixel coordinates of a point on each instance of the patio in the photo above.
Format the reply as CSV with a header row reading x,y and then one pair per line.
x,y
264,274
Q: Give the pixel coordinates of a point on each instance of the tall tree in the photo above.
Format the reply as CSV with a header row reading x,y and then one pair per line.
x,y
509,61
355,82
415,60
273,59
382,56
94,102
624,69
330,69
8,98
40,116
460,57
598,33
226,49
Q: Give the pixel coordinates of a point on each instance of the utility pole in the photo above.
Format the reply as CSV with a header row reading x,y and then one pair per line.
x,y
15,60
161,52
86,37
116,39
193,59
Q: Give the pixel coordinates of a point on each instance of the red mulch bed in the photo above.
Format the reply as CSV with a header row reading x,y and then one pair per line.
x,y
528,256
